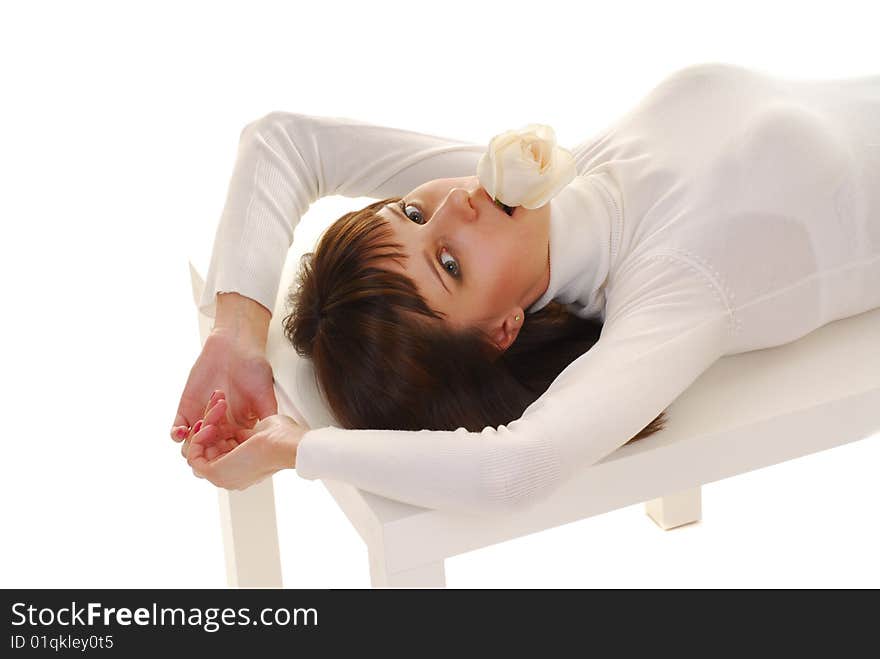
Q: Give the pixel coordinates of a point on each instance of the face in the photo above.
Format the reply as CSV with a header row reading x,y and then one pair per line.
x,y
468,258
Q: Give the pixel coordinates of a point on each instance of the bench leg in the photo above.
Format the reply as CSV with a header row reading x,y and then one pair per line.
x,y
676,509
250,536
431,575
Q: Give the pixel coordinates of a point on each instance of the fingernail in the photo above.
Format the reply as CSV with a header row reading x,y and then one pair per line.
x,y
181,432
197,427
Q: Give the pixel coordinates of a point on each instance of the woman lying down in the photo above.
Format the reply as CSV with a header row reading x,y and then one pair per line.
x,y
504,316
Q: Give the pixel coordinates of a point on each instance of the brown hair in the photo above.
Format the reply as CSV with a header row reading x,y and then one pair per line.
x,y
382,363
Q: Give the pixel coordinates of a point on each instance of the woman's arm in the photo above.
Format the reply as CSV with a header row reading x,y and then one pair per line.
x,y
285,162
242,319
664,326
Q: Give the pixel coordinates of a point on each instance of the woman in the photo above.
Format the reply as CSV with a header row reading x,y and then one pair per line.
x,y
729,211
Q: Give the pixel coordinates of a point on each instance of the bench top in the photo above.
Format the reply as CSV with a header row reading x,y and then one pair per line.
x,y
747,411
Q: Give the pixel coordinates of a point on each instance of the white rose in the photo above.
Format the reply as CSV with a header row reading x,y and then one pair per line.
x,y
525,167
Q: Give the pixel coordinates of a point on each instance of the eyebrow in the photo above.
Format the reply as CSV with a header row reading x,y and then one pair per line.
x,y
433,266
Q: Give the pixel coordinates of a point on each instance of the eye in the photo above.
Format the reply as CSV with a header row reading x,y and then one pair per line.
x,y
455,270
403,206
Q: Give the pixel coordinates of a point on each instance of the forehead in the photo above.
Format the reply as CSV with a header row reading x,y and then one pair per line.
x,y
388,213
439,183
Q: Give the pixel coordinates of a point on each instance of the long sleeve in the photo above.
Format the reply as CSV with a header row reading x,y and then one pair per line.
x,y
666,322
285,162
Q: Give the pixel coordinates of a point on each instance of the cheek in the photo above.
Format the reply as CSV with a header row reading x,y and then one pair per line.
x,y
499,272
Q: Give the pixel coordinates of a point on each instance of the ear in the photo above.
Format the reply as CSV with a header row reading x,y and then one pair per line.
x,y
507,329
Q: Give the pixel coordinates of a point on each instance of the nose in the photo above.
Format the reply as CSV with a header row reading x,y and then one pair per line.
x,y
459,202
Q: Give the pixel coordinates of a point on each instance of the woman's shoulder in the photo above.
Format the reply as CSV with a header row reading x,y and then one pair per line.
x,y
666,285
704,73
690,83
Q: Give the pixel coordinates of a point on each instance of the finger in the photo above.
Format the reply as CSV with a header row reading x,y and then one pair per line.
x,y
198,430
184,448
189,406
241,413
212,452
192,400
201,466
197,445
179,433
221,416
196,457
180,420
243,434
219,448
216,395
206,436
222,470
216,413
198,426
209,444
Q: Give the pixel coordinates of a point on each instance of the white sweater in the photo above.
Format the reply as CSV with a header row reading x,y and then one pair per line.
x,y
729,210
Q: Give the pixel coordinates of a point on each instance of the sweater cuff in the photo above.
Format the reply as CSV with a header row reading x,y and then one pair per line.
x,y
254,290
309,458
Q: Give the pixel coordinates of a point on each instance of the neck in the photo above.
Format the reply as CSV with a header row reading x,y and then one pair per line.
x,y
580,246
542,281
540,287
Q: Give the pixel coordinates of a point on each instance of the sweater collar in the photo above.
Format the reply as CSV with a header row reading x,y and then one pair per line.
x,y
580,247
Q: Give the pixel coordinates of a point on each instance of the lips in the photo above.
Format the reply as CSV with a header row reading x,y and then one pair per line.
x,y
506,209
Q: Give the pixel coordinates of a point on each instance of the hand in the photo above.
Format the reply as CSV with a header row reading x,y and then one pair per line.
x,y
216,415
233,365
247,457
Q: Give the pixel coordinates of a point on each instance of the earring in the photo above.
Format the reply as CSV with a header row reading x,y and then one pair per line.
x,y
517,317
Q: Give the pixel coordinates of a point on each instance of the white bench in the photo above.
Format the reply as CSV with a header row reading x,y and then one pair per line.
x,y
747,411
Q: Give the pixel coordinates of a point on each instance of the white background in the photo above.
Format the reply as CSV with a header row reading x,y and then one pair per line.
x,y
120,123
